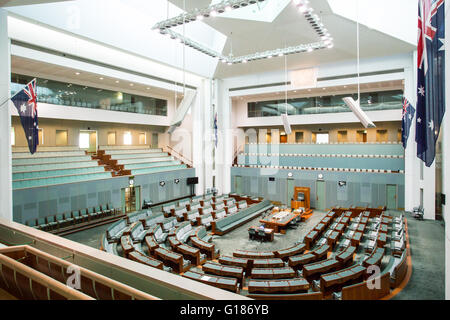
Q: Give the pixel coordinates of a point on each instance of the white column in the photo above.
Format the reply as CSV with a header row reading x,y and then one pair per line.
x,y
412,163
208,137
198,138
224,154
446,161
5,120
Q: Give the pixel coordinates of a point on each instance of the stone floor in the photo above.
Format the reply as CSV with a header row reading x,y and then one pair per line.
x,y
426,242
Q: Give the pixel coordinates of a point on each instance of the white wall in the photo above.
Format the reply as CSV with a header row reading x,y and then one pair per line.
x,y
5,122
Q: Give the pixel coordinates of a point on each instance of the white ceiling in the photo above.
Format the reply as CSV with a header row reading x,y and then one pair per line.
x,y
290,28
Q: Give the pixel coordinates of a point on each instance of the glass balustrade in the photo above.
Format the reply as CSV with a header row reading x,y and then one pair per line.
x,y
73,95
371,101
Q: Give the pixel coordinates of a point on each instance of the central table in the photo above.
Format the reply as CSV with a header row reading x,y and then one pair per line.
x,y
278,221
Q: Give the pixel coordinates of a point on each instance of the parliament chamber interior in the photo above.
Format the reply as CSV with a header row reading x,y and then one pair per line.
x,y
223,150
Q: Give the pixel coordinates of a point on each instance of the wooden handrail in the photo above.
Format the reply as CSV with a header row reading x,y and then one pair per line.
x,y
182,157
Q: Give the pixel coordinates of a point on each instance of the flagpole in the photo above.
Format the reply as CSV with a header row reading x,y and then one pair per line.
x,y
15,94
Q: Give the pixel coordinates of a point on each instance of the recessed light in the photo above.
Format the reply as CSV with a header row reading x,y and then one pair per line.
x,y
101,78
131,84
77,73
117,81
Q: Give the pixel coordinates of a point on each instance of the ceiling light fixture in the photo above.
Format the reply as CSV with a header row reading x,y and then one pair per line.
x,y
164,27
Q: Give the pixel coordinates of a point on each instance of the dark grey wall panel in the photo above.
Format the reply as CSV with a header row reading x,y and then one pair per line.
x,y
32,203
256,183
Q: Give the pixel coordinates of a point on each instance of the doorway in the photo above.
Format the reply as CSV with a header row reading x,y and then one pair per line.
x,y
131,199
238,184
88,140
290,191
321,200
391,197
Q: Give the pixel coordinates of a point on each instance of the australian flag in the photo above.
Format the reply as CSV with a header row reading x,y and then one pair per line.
x,y
407,119
431,77
25,102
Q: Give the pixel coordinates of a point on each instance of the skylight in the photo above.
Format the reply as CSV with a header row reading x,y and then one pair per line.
x,y
266,11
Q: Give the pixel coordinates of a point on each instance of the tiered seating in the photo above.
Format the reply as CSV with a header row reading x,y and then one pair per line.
x,y
135,160
31,274
50,166
376,157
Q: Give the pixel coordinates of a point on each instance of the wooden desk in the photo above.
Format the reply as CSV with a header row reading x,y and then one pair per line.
x,y
340,228
320,227
310,238
321,252
268,263
383,228
375,258
175,260
346,256
216,281
232,261
127,245
326,221
361,227
356,239
340,278
151,244
174,242
227,271
142,258
190,253
281,286
345,221
269,233
289,252
332,238
253,254
278,221
276,273
381,240
205,247
297,262
314,270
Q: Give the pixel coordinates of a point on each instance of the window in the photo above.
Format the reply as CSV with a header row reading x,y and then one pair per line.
x,y
269,137
41,136
322,138
155,141
283,137
61,137
111,138
84,140
13,136
342,136
382,136
142,138
127,138
299,137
